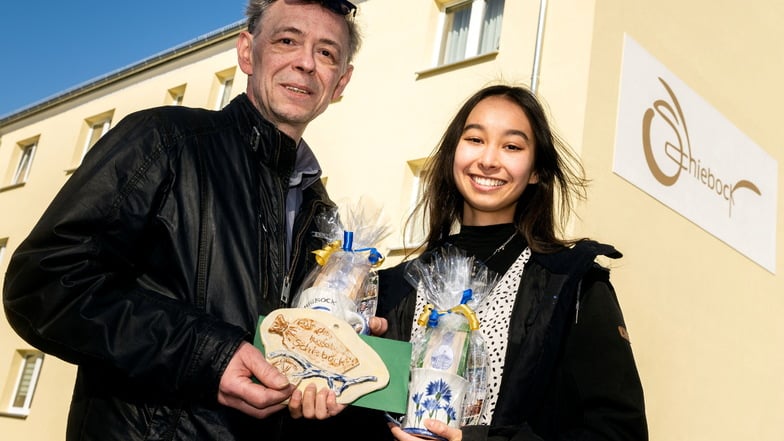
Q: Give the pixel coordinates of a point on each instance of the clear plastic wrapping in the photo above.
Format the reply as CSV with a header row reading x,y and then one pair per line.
x,y
449,359
345,282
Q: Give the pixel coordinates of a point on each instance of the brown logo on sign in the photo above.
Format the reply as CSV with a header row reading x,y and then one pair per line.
x,y
678,152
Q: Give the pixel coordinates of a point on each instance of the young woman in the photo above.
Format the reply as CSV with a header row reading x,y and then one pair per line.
x,y
561,365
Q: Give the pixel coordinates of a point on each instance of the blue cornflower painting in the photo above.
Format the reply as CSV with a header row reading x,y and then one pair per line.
x,y
436,402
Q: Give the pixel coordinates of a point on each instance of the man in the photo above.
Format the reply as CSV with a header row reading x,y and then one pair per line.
x,y
152,265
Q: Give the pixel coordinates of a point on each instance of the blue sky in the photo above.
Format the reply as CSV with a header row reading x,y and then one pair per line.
x,y
49,47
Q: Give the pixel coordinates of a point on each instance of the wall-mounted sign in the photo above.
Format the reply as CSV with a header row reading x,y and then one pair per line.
x,y
676,147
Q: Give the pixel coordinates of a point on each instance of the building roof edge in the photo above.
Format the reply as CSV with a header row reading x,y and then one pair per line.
x,y
124,72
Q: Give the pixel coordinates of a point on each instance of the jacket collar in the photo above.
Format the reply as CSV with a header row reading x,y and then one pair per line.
x,y
272,147
577,259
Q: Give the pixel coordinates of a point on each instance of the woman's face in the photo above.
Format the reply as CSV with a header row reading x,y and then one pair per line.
x,y
494,161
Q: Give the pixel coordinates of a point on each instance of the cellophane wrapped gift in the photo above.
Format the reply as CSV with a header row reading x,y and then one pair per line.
x,y
345,282
449,360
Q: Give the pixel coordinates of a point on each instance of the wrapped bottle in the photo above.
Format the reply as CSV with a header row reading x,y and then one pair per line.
x,y
449,360
476,374
345,283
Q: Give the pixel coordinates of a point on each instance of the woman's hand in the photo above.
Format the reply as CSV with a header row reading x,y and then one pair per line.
x,y
377,325
310,404
437,427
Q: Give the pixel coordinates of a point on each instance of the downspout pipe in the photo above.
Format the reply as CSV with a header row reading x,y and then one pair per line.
x,y
538,47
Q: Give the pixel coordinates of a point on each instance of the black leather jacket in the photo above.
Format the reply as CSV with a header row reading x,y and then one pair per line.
x,y
154,262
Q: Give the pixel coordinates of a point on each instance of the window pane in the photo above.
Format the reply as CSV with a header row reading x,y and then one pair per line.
x,y
226,94
27,381
415,229
23,168
491,26
3,245
96,131
458,20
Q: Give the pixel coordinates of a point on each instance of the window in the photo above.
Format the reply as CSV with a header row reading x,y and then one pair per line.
x,y
224,93
175,95
415,226
221,91
29,368
3,245
92,130
469,28
27,151
96,129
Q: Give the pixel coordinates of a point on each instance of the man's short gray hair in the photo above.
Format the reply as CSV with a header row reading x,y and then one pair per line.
x,y
256,8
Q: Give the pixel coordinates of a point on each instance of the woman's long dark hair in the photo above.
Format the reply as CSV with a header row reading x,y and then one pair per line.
x,y
561,179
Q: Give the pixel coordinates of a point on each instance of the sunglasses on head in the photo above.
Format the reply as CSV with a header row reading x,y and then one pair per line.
x,y
342,7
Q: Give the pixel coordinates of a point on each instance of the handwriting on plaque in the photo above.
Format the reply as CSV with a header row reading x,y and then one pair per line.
x,y
315,341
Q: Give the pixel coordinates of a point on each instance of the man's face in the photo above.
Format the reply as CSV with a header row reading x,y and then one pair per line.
x,y
296,63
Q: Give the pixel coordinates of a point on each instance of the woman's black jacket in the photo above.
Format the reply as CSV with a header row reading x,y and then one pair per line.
x,y
569,371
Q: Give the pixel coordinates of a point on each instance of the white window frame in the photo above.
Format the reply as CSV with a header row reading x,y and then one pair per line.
x,y
224,92
415,234
3,246
28,389
100,127
176,95
473,38
25,163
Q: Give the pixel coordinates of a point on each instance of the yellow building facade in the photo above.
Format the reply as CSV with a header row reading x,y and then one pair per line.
x,y
702,301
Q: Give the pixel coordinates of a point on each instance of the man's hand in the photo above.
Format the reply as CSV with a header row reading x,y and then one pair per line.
x,y
312,405
377,325
238,390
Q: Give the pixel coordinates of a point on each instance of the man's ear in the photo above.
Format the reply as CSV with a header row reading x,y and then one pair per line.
x,y
245,52
342,83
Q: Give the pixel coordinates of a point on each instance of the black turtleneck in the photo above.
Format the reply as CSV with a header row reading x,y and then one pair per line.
x,y
482,241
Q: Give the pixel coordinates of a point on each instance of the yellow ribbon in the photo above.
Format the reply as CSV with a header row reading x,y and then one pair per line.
x,y
323,254
468,313
425,317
